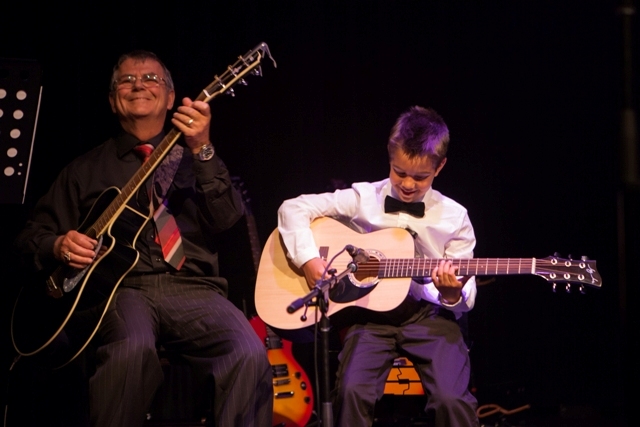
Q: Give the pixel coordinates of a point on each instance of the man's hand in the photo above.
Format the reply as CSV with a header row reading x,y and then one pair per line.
x,y
313,270
445,280
75,249
193,120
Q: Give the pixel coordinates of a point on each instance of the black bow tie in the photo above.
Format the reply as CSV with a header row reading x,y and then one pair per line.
x,y
395,205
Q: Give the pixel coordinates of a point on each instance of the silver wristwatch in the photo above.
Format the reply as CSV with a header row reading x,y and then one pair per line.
x,y
206,152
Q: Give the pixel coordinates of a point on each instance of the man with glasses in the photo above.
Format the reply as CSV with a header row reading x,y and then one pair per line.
x,y
178,303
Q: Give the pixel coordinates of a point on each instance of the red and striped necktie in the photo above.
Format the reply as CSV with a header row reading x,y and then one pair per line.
x,y
143,151
167,231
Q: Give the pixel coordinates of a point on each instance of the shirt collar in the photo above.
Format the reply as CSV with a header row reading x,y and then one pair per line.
x,y
389,191
125,142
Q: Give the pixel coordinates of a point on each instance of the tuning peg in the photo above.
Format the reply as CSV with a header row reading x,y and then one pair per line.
x,y
256,71
584,258
231,92
243,82
570,257
556,254
554,287
567,288
582,290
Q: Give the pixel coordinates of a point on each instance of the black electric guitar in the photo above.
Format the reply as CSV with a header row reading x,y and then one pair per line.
x,y
292,393
382,282
62,312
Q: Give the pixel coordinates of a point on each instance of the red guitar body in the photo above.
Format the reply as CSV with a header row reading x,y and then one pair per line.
x,y
292,394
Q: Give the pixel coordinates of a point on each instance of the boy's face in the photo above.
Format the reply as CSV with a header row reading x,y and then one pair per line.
x,y
412,178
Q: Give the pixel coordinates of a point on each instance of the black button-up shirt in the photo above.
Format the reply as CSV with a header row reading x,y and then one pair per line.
x,y
201,197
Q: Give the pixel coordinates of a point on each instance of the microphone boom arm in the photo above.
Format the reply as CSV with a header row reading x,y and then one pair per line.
x,y
324,284
321,287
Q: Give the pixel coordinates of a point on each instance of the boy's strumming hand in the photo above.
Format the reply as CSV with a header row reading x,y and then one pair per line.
x,y
313,270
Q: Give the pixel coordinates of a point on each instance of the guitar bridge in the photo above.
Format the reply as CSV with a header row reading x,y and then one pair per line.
x,y
52,290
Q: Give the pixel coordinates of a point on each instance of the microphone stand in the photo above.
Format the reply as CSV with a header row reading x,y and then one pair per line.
x,y
321,292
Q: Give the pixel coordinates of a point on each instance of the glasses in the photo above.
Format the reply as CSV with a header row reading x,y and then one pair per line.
x,y
128,81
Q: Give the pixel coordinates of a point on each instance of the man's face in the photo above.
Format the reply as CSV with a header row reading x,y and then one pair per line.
x,y
139,102
412,178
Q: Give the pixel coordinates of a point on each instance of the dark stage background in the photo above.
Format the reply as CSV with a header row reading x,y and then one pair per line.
x,y
532,93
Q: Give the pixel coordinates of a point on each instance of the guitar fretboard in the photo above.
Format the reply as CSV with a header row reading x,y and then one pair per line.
x,y
552,268
117,205
466,267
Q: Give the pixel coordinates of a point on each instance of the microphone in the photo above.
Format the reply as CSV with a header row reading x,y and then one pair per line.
x,y
360,256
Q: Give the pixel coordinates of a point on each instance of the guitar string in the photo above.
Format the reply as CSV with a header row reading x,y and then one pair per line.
x,y
487,266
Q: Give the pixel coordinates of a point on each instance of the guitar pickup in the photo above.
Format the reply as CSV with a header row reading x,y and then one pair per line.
x,y
280,370
281,382
284,395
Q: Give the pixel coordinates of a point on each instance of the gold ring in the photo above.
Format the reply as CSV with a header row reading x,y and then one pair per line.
x,y
189,122
67,256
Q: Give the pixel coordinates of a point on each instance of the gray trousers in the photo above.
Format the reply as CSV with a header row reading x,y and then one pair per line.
x,y
188,316
435,345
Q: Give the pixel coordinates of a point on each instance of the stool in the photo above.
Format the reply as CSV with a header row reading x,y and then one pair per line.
x,y
176,400
403,402
403,379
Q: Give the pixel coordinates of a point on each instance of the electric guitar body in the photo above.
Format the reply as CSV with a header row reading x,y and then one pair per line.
x,y
292,392
292,395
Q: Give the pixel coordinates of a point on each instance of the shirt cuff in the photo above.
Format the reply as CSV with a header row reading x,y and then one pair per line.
x,y
206,171
446,304
304,256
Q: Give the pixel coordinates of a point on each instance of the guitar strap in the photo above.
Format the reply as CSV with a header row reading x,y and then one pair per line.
x,y
163,176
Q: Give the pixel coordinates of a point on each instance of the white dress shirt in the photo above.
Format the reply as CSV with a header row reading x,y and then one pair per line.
x,y
444,231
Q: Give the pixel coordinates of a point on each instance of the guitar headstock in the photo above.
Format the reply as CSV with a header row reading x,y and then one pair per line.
x,y
249,63
569,271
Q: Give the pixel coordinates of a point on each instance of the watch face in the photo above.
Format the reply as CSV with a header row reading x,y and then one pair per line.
x,y
206,152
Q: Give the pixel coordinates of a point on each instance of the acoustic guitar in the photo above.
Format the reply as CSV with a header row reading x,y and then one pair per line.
x,y
67,306
382,281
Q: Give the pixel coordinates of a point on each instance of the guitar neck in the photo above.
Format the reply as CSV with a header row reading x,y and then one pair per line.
x,y
273,341
117,205
415,267
253,239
